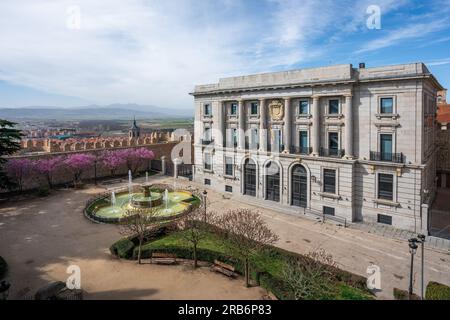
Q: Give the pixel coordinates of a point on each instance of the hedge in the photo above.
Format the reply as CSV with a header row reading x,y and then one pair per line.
x,y
3,268
122,248
437,291
400,294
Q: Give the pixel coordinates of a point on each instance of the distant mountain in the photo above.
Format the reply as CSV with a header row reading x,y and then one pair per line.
x,y
94,112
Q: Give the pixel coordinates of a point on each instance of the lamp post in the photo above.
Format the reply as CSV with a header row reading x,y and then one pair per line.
x,y
204,203
421,240
412,249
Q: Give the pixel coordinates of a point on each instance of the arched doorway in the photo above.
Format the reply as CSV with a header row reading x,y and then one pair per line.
x,y
299,186
250,178
273,182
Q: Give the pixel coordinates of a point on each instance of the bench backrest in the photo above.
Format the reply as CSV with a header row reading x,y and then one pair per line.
x,y
224,265
163,255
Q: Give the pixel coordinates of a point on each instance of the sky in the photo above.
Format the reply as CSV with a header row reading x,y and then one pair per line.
x,y
152,52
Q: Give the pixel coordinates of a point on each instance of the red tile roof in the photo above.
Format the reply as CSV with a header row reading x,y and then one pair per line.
x,y
443,114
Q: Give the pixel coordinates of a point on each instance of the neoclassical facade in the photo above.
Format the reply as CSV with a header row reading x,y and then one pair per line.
x,y
350,143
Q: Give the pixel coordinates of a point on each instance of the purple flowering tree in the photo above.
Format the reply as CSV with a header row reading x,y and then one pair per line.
x,y
113,160
48,167
18,170
135,158
78,163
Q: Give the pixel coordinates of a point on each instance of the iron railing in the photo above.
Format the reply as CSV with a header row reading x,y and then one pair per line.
x,y
334,153
387,157
300,150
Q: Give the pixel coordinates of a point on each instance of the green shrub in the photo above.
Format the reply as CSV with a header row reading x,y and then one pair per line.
x,y
122,248
404,295
275,285
437,291
3,268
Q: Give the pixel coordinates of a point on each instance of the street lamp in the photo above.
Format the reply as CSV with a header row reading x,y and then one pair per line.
x,y
421,240
204,203
412,249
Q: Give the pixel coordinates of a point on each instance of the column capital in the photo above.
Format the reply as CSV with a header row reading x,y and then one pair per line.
x,y
315,97
287,98
348,95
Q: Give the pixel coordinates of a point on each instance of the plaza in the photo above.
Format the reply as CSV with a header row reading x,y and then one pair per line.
x,y
47,235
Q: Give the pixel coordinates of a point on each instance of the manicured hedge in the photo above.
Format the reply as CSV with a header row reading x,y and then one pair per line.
x,y
437,291
3,268
122,248
404,295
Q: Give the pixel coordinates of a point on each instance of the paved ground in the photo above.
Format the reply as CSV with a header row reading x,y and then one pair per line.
x,y
40,238
440,214
353,249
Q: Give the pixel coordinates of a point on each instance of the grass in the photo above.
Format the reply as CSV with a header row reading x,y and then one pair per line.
x,y
271,261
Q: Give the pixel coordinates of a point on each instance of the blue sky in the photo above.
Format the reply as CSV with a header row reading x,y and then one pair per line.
x,y
152,52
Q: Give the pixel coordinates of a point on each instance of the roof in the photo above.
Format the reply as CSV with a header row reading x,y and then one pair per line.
x,y
443,114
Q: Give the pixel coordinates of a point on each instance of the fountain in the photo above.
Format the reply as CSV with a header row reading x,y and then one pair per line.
x,y
113,199
130,182
146,176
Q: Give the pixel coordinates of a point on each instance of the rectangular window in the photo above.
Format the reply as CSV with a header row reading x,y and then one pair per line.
x,y
333,143
385,186
229,166
303,107
254,139
207,111
234,137
207,182
384,219
276,140
333,106
233,109
303,141
207,134
254,108
386,147
387,105
208,161
228,188
329,211
329,181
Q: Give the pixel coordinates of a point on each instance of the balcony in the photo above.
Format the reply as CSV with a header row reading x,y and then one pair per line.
x,y
206,142
300,150
332,153
387,157
275,148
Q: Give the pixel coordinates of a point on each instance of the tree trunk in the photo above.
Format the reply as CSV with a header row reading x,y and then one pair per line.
x,y
247,280
195,255
49,181
139,251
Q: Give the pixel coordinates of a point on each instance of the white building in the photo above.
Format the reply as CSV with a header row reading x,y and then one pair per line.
x,y
353,143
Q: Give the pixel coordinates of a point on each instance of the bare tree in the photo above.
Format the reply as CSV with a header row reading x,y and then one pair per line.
x,y
310,277
246,234
195,226
140,223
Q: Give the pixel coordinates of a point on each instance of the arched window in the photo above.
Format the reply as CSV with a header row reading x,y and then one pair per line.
x,y
250,178
299,186
273,182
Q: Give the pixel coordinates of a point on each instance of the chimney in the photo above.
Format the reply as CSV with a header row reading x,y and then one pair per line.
x,y
362,65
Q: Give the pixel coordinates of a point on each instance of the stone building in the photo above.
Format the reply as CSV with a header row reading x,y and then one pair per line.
x,y
349,143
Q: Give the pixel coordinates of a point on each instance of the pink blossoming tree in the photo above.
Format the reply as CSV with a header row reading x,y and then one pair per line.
x,y
135,158
18,170
113,160
78,163
48,167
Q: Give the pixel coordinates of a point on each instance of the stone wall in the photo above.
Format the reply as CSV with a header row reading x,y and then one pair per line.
x,y
64,176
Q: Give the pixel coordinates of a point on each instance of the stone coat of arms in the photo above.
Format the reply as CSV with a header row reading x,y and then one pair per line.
x,y
276,110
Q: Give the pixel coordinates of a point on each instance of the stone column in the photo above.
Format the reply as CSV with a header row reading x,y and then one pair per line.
x,y
287,125
348,127
262,125
163,165
220,135
241,131
315,137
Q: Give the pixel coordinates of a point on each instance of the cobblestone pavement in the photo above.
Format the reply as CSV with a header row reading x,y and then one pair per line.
x,y
353,248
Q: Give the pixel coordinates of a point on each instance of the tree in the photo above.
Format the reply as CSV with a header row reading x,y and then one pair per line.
x,y
18,170
48,167
140,223
9,144
113,160
195,225
245,234
78,163
134,158
310,277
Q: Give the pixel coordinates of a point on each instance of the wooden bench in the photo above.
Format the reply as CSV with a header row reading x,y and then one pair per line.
x,y
164,258
223,268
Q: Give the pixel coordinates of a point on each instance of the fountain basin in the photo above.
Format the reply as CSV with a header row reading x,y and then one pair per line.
x,y
145,201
